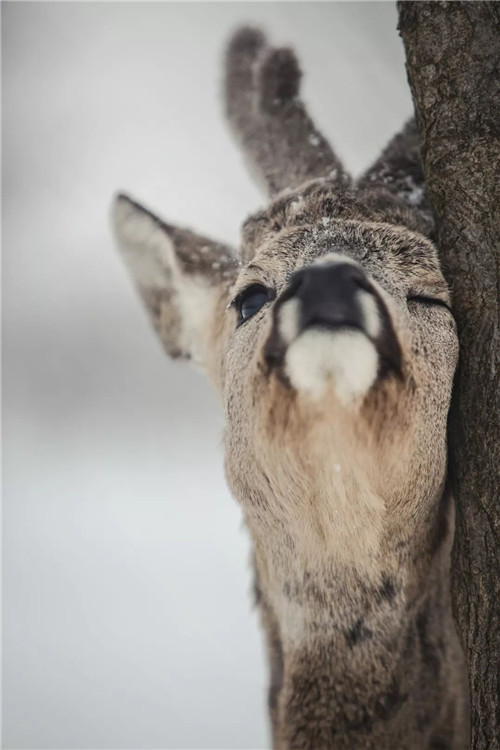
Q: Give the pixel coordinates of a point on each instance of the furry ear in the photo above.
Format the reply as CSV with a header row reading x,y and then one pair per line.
x,y
399,170
180,276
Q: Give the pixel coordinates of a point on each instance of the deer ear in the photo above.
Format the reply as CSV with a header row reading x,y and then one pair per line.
x,y
181,277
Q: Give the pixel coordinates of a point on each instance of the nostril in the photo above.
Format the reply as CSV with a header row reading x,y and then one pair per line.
x,y
324,295
356,275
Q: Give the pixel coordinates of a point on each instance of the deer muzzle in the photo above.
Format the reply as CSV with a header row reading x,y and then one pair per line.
x,y
331,325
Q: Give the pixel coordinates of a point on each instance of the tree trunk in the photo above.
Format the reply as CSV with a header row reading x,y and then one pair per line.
x,y
453,64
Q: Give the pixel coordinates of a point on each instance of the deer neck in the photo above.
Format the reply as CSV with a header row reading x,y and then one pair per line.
x,y
358,652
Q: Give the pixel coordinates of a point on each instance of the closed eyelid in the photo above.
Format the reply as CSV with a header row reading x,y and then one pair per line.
x,y
439,291
428,284
430,300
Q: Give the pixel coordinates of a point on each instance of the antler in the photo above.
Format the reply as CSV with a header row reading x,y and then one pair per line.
x,y
262,87
399,170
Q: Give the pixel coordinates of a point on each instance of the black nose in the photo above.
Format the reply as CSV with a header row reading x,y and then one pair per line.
x,y
327,294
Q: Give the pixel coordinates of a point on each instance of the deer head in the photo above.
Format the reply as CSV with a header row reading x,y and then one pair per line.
x,y
328,334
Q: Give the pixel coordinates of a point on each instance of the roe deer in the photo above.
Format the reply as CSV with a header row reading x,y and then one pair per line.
x,y
330,338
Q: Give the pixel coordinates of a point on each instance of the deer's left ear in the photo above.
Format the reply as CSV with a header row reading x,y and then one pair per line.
x,y
182,278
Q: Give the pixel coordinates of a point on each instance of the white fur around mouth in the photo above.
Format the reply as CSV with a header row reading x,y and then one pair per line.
x,y
345,358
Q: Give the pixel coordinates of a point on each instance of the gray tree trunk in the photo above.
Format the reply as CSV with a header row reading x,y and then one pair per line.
x,y
453,64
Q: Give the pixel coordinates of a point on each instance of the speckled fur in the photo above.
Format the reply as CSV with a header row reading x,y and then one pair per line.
x,y
347,506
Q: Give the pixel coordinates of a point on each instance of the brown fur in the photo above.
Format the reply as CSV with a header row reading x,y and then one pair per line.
x,y
346,503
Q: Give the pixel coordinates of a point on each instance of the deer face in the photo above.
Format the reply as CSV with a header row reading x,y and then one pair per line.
x,y
329,335
338,366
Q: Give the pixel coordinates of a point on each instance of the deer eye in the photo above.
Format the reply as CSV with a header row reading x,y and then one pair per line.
x,y
423,300
250,300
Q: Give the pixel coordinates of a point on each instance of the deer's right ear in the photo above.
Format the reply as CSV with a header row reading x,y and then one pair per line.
x,y
182,278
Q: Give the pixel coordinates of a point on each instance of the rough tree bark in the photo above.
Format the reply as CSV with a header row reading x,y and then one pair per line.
x,y
453,65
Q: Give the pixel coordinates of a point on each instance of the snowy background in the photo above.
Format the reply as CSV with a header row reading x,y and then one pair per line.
x,y
127,608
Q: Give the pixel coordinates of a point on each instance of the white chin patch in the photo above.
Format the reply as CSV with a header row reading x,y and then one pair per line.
x,y
346,359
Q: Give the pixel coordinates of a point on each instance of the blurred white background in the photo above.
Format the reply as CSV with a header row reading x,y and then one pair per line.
x,y
127,610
